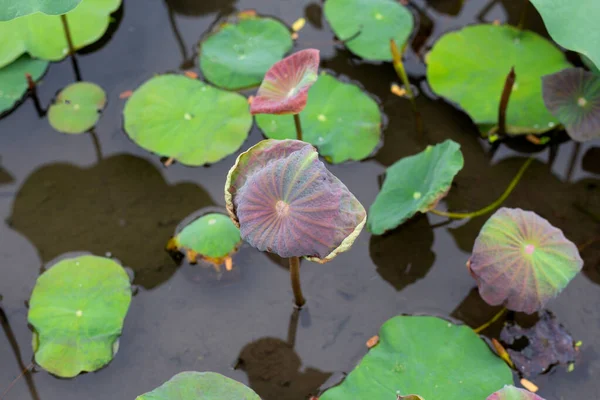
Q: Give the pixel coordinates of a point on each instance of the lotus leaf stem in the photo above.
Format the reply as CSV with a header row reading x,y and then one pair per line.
x,y
492,206
506,92
523,16
491,321
295,278
298,126
34,95
65,24
401,72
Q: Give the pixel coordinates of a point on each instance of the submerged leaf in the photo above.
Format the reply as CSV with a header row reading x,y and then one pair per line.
x,y
13,82
11,9
284,90
520,260
286,202
415,184
573,96
513,393
77,108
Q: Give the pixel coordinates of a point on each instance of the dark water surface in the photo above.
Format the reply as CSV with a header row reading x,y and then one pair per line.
x,y
58,195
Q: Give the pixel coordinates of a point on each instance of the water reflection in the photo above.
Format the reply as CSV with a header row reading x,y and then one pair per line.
x,y
590,161
121,206
5,177
314,15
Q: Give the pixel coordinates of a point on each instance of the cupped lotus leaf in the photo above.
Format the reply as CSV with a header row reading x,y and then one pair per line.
x,y
470,66
77,108
415,184
284,90
200,386
513,393
573,96
427,356
212,236
239,53
573,26
366,26
11,9
286,202
43,36
77,310
341,120
521,261
187,120
13,81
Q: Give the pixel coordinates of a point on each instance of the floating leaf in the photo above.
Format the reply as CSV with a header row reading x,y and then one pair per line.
x,y
77,108
13,82
286,202
427,356
588,63
415,184
366,26
548,344
284,90
11,9
43,36
513,393
200,386
341,120
239,53
520,260
187,120
573,96
77,310
470,66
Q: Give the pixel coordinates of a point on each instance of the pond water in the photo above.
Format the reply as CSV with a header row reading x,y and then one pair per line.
x,y
59,194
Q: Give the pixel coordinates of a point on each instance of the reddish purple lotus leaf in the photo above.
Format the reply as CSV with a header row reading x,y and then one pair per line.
x,y
521,261
286,202
513,393
285,87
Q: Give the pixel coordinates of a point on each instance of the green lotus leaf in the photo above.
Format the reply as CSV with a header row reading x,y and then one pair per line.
x,y
200,386
43,36
469,67
341,120
187,120
513,393
425,356
13,82
239,53
588,63
573,25
77,108
521,261
415,184
366,26
11,9
77,310
212,236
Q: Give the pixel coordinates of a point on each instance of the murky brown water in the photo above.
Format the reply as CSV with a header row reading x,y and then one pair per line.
x,y
58,195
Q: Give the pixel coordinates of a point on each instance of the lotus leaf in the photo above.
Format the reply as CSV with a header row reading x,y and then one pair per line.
x,y
366,26
77,108
186,119
239,53
340,119
286,202
573,96
573,26
200,385
13,83
588,63
470,67
415,184
284,89
77,310
43,36
513,393
427,356
11,9
520,260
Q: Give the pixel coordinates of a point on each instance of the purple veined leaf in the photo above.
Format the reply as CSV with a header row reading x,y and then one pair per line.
x,y
521,261
286,202
573,96
284,90
513,393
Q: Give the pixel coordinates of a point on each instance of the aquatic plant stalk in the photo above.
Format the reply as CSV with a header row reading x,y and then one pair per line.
x,y
65,24
506,92
523,15
492,206
491,321
295,278
401,72
298,126
34,95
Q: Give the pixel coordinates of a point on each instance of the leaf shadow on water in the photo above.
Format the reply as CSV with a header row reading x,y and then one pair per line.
x,y
5,177
122,206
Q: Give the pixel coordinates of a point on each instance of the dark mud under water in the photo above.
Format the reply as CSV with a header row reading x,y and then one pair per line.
x,y
57,196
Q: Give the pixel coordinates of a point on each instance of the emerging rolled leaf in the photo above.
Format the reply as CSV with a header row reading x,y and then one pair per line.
x,y
286,202
285,87
520,260
513,393
573,96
